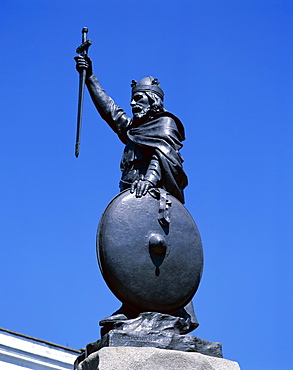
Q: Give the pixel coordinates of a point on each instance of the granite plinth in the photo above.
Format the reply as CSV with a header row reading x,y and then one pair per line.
x,y
133,358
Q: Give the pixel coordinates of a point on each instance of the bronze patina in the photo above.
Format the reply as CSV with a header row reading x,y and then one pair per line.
x,y
148,246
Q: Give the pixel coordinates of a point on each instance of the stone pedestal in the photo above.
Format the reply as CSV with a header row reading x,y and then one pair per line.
x,y
134,358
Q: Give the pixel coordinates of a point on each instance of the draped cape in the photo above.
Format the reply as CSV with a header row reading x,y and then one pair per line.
x,y
164,134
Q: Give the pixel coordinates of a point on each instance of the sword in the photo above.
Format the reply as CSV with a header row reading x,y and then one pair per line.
x,y
82,49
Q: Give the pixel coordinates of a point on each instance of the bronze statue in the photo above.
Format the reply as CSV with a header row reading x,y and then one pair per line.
x,y
152,138
148,245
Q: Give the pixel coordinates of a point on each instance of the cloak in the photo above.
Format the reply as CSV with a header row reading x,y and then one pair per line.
x,y
164,134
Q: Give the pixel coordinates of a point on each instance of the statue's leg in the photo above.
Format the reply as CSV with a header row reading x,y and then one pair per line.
x,y
187,313
193,319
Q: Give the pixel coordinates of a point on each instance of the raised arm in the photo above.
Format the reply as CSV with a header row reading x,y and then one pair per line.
x,y
109,111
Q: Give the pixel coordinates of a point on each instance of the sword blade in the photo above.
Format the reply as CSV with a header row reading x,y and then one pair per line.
x,y
82,77
79,110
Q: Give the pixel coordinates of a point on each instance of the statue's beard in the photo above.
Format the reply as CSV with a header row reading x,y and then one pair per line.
x,y
140,113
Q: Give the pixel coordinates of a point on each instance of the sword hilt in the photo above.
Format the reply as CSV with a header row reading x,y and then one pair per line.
x,y
83,48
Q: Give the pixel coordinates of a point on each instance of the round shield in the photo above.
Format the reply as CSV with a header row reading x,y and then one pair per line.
x,y
150,252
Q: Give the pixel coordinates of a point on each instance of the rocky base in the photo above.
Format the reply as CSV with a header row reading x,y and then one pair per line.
x,y
185,343
130,358
152,329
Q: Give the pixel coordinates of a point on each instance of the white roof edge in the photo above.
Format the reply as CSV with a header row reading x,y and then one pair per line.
x,y
40,341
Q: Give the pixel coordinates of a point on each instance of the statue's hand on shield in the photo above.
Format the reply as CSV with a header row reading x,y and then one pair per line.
x,y
84,62
141,186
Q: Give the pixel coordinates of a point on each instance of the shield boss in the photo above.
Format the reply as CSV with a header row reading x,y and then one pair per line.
x,y
147,264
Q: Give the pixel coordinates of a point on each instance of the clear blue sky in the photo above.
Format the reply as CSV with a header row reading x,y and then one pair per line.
x,y
227,71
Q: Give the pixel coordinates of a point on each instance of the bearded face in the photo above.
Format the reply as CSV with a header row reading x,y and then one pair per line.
x,y
140,105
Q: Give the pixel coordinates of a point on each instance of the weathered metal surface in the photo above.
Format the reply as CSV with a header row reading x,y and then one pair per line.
x,y
146,265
